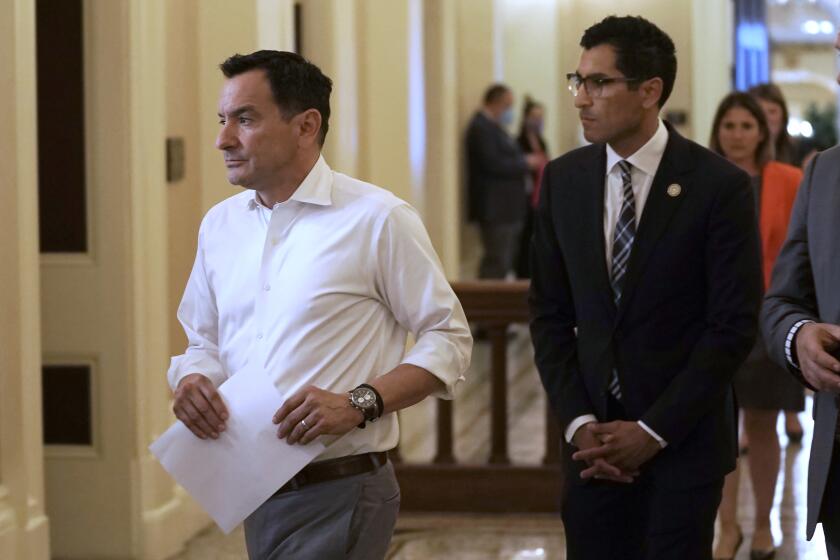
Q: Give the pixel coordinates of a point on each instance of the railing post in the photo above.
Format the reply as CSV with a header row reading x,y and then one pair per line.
x,y
499,425
552,438
444,454
498,485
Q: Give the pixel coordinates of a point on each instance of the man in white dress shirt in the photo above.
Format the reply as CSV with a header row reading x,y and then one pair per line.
x,y
314,278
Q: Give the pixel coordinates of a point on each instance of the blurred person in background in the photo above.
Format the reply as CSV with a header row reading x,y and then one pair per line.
x,y
531,141
772,102
496,174
742,135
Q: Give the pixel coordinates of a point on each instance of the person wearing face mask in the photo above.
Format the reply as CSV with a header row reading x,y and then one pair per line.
x,y
496,175
740,133
531,141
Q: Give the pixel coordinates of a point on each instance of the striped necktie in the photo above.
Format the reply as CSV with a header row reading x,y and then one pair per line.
x,y
625,233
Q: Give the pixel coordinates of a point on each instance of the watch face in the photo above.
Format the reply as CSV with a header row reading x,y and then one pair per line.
x,y
363,397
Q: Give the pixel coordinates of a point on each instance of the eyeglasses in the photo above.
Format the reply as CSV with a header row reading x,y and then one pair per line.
x,y
594,86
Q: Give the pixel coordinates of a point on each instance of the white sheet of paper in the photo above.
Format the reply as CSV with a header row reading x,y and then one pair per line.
x,y
232,476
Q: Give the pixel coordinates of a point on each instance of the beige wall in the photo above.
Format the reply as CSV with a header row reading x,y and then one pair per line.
x,y
710,62
24,529
224,28
531,42
442,185
479,64
336,54
183,119
382,36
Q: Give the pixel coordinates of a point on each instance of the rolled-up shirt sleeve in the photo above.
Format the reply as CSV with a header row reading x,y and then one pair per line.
x,y
411,281
199,317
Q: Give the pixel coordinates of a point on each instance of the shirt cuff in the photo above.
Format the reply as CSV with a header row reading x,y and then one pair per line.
x,y
662,443
575,425
183,365
791,335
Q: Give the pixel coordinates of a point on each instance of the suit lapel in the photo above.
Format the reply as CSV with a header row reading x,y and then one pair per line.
x,y
659,209
594,175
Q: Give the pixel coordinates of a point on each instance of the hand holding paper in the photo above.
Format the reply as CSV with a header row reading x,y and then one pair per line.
x,y
200,407
233,475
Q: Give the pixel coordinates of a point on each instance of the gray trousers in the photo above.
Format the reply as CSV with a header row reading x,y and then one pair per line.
x,y
351,518
501,244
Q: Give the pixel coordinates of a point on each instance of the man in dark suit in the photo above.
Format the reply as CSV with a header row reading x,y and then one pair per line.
x,y
644,297
801,322
496,170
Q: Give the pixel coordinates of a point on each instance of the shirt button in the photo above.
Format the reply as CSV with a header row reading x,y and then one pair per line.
x,y
275,241
259,336
267,287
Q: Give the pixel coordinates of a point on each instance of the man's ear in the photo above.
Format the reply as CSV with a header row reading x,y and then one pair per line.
x,y
309,125
652,92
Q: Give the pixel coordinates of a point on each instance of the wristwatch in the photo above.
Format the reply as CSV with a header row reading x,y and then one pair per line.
x,y
366,399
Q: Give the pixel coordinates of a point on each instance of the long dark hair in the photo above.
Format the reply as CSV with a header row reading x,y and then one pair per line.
x,y
784,148
524,143
764,150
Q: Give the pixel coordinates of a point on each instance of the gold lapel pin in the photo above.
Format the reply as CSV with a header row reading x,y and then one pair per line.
x,y
674,190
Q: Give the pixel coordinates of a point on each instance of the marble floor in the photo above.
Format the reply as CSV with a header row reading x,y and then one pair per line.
x,y
521,537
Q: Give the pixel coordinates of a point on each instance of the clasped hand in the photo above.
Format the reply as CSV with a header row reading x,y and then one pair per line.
x,y
613,450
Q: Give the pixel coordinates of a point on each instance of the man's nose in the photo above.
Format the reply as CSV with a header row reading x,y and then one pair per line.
x,y
582,99
225,139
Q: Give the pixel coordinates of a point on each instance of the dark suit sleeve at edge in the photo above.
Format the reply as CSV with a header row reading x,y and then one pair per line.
x,y
792,296
733,280
553,318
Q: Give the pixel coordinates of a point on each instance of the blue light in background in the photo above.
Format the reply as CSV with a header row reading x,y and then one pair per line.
x,y
752,64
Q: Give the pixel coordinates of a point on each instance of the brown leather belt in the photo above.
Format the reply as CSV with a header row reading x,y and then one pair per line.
x,y
333,469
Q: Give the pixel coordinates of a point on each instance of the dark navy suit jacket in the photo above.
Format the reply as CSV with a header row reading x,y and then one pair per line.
x,y
688,313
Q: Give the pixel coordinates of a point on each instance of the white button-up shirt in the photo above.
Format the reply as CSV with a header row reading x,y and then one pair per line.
x,y
645,162
321,290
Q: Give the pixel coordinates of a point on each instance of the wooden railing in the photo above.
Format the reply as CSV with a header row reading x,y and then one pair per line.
x,y
497,485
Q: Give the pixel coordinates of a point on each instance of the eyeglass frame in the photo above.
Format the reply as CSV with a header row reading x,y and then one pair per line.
x,y
597,82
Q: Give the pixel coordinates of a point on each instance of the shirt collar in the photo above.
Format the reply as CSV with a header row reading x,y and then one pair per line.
x,y
316,188
647,157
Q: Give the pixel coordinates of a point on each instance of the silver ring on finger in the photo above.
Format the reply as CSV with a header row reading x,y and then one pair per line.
x,y
303,423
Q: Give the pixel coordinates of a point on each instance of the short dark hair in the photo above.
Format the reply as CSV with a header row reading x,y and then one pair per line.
x,y
296,83
494,93
642,50
764,150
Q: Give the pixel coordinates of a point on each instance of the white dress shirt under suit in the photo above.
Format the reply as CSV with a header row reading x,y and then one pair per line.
x,y
321,290
645,162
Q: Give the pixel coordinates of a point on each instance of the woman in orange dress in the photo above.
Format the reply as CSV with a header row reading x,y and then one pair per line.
x,y
762,388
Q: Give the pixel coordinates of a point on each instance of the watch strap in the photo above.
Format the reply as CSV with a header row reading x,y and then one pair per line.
x,y
380,405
